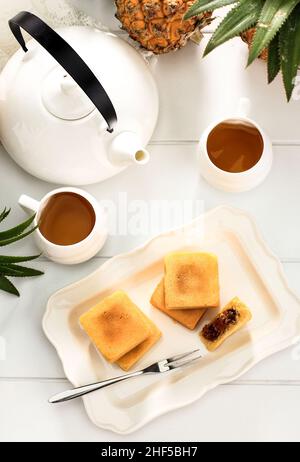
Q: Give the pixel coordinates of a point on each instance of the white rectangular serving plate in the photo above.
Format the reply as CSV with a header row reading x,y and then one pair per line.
x,y
247,269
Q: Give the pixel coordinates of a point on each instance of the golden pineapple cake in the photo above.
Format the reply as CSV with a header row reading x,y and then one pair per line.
x,y
232,318
191,280
133,356
188,318
159,25
115,326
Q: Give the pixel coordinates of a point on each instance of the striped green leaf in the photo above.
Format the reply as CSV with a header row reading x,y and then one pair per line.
x,y
8,264
13,232
17,238
4,259
4,214
273,15
289,44
7,286
242,17
273,59
203,6
18,271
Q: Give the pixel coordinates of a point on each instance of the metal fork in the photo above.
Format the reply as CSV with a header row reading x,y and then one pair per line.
x,y
165,365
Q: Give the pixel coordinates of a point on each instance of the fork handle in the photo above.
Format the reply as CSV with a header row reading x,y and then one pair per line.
x,y
84,390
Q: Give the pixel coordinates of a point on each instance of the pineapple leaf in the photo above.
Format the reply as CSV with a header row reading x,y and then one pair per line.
x,y
273,59
203,6
4,259
7,286
273,16
289,43
240,18
4,214
17,238
17,230
18,271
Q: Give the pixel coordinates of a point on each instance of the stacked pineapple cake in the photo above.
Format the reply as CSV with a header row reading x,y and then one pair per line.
x,y
190,286
120,330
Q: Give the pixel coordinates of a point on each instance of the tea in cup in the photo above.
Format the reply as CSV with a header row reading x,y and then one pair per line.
x,y
235,154
72,226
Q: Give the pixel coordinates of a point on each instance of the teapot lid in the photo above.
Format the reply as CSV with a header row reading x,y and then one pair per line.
x,y
63,98
57,95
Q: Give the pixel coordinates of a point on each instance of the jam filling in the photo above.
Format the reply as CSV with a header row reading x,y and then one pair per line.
x,y
219,326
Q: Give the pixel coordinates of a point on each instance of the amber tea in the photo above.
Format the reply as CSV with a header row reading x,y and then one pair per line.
x,y
235,146
67,219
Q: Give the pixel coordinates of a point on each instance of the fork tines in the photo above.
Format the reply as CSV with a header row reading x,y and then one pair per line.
x,y
184,359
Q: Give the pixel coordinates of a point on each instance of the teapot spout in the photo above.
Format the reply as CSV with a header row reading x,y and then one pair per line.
x,y
126,149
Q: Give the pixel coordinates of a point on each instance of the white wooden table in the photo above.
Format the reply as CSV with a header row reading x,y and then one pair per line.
x,y
264,405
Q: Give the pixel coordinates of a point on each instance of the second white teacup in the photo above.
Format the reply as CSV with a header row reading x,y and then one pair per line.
x,y
244,180
80,251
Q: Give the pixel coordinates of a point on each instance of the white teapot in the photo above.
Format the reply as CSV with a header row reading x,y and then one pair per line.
x,y
58,121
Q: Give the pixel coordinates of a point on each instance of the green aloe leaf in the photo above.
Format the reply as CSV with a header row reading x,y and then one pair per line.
x,y
7,286
4,214
273,59
8,264
17,238
289,43
273,16
17,230
202,6
242,17
4,259
18,271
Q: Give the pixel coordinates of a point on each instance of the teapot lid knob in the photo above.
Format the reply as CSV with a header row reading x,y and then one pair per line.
x,y
63,98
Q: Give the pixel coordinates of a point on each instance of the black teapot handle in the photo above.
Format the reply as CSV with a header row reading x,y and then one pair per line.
x,y
67,57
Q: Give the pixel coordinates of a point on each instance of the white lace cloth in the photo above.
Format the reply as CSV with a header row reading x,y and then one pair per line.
x,y
54,12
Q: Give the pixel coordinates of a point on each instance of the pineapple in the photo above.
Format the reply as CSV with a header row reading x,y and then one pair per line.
x,y
248,37
158,25
270,27
9,266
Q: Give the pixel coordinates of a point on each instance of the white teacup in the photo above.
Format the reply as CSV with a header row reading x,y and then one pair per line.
x,y
75,253
236,182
